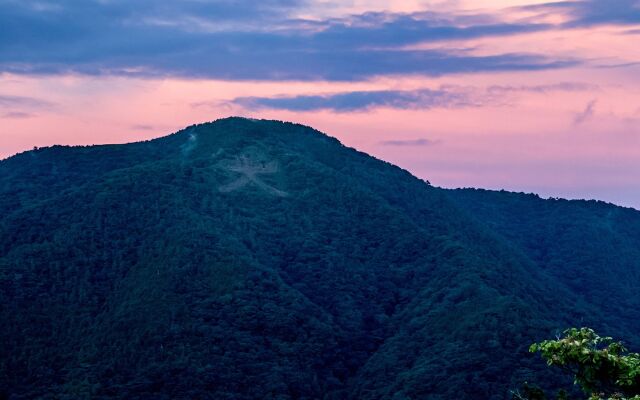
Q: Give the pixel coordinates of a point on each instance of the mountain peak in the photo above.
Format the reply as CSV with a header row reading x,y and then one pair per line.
x,y
242,259
239,130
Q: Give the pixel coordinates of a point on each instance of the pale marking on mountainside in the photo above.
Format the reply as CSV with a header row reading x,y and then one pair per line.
x,y
189,145
217,153
249,171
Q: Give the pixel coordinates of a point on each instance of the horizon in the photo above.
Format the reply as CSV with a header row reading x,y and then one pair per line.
x,y
525,96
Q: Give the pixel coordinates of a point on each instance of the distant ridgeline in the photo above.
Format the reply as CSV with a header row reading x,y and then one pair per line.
x,y
246,259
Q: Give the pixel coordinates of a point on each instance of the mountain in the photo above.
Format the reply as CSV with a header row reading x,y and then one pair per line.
x,y
253,259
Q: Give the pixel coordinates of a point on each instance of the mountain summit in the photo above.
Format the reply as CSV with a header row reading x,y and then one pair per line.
x,y
252,259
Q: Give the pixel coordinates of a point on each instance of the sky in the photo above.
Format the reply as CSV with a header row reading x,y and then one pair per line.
x,y
521,95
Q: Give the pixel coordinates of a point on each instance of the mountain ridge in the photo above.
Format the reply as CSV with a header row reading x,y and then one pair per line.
x,y
361,282
186,130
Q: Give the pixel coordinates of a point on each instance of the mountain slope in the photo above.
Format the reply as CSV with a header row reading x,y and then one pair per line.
x,y
591,247
257,259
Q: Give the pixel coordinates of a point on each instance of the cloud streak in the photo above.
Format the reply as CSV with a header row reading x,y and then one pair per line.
x,y
410,142
447,96
221,40
585,114
586,13
16,115
22,107
10,101
143,127
543,89
363,100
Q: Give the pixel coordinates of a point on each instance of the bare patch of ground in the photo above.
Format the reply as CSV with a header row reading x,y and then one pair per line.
x,y
250,170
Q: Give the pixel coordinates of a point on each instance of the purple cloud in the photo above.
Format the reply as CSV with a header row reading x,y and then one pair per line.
x,y
244,41
585,114
16,115
443,97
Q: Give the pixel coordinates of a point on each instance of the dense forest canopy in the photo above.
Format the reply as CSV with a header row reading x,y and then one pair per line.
x,y
246,259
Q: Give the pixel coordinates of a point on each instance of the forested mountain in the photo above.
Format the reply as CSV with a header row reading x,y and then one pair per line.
x,y
591,247
246,259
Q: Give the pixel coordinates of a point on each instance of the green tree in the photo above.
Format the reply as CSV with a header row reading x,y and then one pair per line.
x,y
602,367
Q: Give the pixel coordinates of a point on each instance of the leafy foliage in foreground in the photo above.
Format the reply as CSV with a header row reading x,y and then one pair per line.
x,y
602,368
257,259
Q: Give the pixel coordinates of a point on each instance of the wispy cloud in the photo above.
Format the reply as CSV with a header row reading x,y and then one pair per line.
x,y
16,115
208,104
363,100
585,114
245,40
10,101
22,107
410,142
618,65
555,87
584,13
142,127
447,96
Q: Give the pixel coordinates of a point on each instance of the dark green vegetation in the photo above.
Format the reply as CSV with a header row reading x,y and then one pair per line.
x,y
261,260
601,367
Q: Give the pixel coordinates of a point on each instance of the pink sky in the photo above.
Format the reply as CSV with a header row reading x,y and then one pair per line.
x,y
571,131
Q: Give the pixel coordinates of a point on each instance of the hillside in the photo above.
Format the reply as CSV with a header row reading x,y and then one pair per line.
x,y
591,247
246,259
